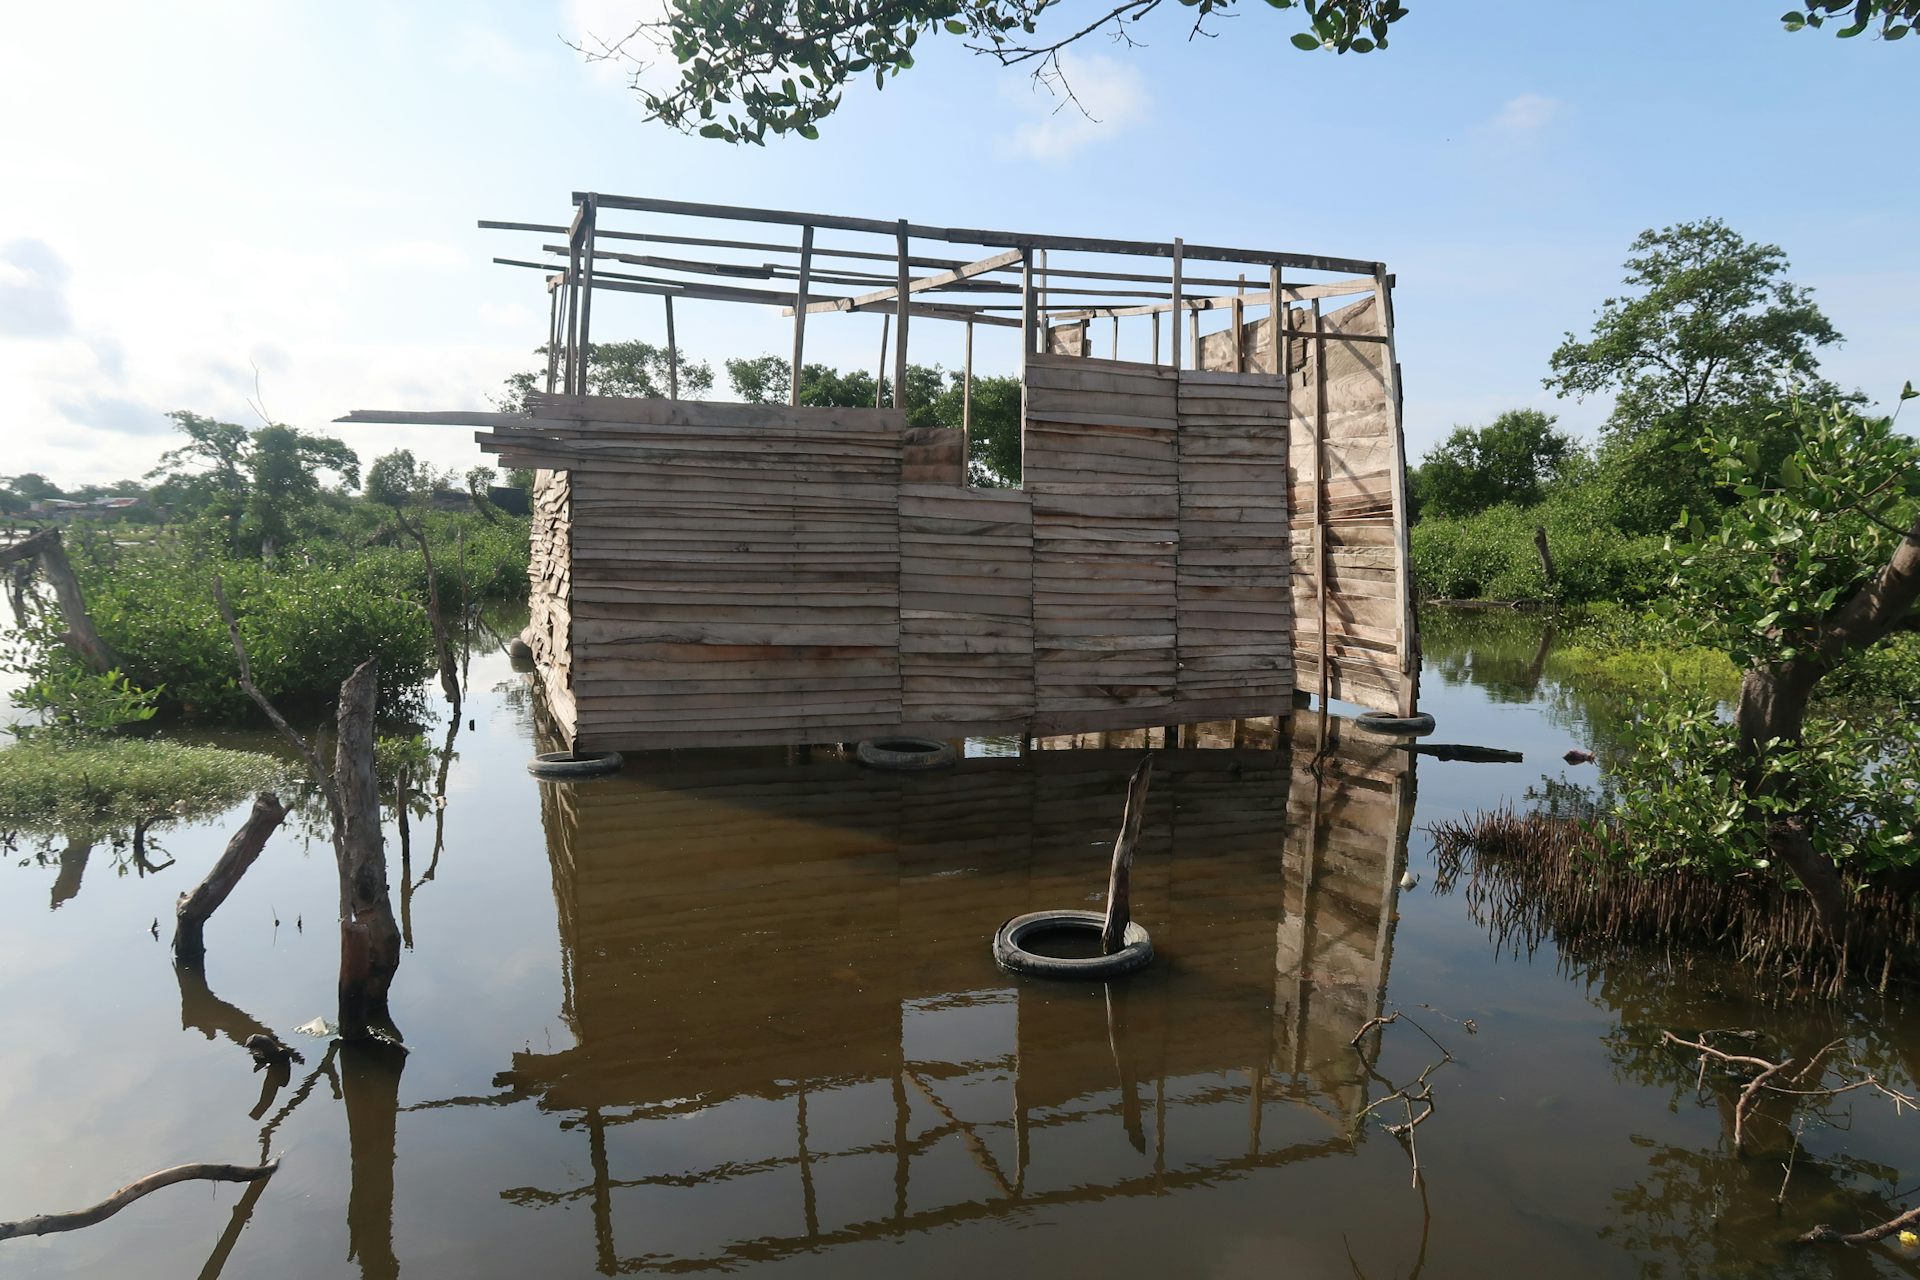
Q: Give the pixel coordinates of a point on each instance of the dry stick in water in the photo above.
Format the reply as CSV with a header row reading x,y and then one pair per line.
x,y
46,1224
1119,880
190,912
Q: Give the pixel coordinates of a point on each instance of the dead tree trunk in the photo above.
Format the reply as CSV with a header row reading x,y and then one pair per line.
x,y
369,936
1546,556
1120,879
1773,706
191,911
80,635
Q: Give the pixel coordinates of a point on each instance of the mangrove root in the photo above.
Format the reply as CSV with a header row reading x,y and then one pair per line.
x,y
49,1223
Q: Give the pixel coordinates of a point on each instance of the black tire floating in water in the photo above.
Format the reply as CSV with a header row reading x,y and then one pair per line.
x,y
1380,722
566,764
904,753
1009,954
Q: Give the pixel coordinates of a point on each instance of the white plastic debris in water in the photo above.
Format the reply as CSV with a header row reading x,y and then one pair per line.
x,y
1408,880
318,1027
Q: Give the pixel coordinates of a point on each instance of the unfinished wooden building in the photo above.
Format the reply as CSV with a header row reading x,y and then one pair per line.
x,y
1210,518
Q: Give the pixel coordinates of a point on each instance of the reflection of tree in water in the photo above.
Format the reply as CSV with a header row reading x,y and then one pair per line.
x,y
1706,1210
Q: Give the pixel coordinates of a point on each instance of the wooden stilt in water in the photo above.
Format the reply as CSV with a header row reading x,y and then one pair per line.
x,y
1120,877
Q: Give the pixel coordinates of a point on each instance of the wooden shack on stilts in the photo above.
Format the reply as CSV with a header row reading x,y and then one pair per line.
x,y
1202,531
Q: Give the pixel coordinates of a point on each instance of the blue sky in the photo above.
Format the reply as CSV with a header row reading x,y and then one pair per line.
x,y
198,191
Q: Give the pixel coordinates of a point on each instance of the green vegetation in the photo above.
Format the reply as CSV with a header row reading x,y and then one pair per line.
x,y
98,786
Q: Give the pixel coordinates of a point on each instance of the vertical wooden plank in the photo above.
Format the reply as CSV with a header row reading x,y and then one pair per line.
x,y
1319,351
1115,353
1029,324
966,408
573,314
553,331
1390,377
1086,338
586,298
900,334
1173,316
1279,323
1156,338
1239,319
673,354
800,316
1193,332
880,374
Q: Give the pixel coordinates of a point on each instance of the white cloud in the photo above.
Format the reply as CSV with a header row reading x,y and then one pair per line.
x,y
1097,100
485,51
1527,114
421,255
33,291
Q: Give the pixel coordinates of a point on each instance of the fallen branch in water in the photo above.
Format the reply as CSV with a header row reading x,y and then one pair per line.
x,y
1824,1234
47,1224
1419,1093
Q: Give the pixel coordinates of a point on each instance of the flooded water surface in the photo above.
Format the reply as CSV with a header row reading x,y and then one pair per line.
x,y
738,1012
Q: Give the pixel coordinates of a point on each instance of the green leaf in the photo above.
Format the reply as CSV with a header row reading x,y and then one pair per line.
x,y
956,26
1793,21
713,131
810,132
1908,393
1304,40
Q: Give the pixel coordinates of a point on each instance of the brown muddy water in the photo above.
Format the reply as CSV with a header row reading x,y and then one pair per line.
x,y
727,1012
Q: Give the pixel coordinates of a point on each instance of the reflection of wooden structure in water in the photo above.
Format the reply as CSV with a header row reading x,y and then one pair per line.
x,y
793,961
1196,536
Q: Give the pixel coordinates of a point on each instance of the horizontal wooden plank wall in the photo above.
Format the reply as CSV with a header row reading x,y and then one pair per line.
x,y
711,574
735,568
1102,467
1235,607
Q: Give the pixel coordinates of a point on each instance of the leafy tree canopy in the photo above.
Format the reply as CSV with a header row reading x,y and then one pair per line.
x,y
1512,459
748,70
1713,334
261,483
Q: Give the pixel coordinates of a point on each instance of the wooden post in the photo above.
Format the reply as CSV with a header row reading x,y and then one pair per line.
x,y
900,329
1279,327
190,912
1115,353
800,315
1173,316
369,935
1120,876
586,297
1319,354
1193,332
966,409
553,331
673,354
1390,379
1028,324
570,381
1156,338
1239,319
1086,339
880,374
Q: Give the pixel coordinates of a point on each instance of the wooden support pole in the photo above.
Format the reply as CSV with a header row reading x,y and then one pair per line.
x,y
966,409
570,375
880,373
586,296
1114,354
673,355
1086,338
800,315
1390,378
1239,319
1156,336
900,328
1193,332
190,912
1173,329
553,331
1279,323
1319,356
1120,876
1027,326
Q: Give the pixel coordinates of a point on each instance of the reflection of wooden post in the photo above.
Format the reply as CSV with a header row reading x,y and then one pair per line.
x,y
369,936
602,1193
800,315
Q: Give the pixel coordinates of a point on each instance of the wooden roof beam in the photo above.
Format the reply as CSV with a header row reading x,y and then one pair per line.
x,y
998,262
